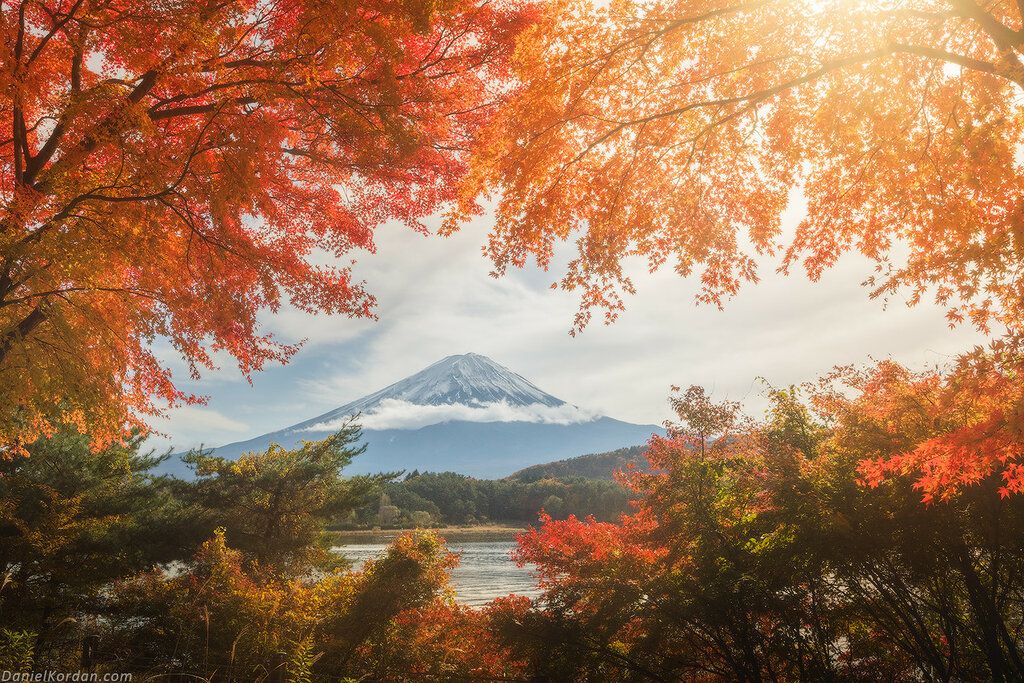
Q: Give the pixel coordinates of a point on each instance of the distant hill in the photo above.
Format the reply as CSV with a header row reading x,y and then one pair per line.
x,y
591,466
582,486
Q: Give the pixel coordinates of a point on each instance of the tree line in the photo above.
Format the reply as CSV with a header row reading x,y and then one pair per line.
x,y
444,498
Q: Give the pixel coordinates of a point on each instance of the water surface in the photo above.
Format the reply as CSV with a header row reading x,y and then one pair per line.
x,y
486,570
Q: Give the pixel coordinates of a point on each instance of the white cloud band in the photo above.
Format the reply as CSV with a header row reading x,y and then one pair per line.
x,y
395,414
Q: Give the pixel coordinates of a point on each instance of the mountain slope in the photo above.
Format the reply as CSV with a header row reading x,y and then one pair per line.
x,y
464,413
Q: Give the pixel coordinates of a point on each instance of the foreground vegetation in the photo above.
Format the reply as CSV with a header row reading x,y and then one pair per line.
x,y
785,548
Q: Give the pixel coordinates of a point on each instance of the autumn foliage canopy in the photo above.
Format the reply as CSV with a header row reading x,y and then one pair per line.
x,y
169,169
677,130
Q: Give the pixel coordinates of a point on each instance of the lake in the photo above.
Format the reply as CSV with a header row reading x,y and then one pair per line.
x,y
486,570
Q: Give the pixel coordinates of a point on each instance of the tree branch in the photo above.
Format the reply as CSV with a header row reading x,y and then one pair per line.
x,y
1004,37
197,108
57,26
824,69
22,329
953,58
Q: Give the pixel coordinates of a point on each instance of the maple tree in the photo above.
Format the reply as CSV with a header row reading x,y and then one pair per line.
x,y
677,130
754,553
171,169
447,641
947,429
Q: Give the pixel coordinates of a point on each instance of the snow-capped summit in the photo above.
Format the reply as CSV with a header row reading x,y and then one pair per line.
x,y
467,387
467,379
465,413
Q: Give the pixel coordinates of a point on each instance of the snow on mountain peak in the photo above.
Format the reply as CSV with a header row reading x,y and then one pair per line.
x,y
465,379
467,387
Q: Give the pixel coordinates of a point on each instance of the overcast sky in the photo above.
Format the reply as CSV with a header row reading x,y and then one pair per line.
x,y
436,298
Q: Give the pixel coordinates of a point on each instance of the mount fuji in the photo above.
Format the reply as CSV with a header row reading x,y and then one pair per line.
x,y
465,414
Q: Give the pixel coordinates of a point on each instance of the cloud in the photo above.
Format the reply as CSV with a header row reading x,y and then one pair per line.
x,y
437,298
395,414
194,426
